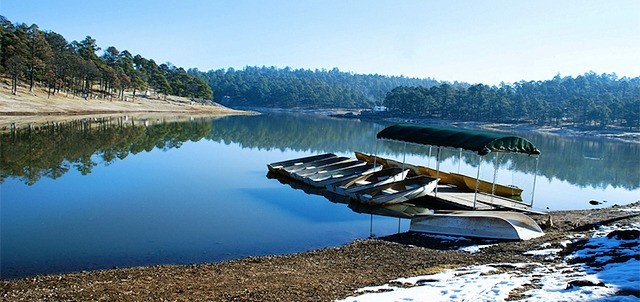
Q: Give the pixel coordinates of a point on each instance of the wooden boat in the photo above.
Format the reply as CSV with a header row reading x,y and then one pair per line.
x,y
488,187
483,224
445,177
321,180
459,180
273,167
371,159
367,181
300,175
397,192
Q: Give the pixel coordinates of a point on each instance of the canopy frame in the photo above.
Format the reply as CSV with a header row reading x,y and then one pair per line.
x,y
480,142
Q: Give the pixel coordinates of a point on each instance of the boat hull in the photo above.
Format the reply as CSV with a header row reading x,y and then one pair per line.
x,y
481,224
397,192
314,165
276,167
367,181
321,180
415,170
487,187
459,180
310,172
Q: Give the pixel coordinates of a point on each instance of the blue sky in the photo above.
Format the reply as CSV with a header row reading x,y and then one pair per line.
x,y
473,41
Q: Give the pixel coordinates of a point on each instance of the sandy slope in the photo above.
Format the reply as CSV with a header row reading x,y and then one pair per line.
x,y
32,107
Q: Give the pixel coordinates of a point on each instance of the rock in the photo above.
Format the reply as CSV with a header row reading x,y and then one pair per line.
x,y
581,283
624,234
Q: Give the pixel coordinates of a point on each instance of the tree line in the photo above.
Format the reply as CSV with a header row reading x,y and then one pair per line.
x,y
587,100
34,56
30,55
287,88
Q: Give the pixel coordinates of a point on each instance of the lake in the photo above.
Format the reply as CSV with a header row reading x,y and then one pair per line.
x,y
102,193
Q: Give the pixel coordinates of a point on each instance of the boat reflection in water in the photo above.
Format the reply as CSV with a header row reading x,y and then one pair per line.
x,y
400,210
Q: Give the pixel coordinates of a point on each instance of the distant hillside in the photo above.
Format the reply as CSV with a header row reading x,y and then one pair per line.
x,y
287,88
33,57
589,100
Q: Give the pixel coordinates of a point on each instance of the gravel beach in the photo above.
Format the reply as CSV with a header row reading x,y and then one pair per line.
x,y
319,275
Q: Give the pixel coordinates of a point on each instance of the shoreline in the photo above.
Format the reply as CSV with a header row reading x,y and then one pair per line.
x,y
34,108
616,133
316,275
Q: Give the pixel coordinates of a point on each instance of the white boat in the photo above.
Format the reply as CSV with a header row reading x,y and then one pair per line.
x,y
307,172
482,224
314,165
397,192
367,181
321,180
274,167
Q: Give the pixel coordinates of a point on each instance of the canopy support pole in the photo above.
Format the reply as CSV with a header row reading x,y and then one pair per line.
x,y
437,169
459,160
495,174
535,174
429,158
475,195
375,155
404,154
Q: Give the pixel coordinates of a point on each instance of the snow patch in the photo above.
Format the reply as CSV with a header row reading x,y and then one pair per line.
x,y
605,268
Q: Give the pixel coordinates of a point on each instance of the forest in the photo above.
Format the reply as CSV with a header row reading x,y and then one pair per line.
x,y
587,100
33,56
288,88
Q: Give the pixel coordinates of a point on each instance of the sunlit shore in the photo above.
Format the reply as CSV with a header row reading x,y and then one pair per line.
x,y
32,108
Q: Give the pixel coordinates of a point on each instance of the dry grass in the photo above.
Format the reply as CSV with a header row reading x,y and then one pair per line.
x,y
35,107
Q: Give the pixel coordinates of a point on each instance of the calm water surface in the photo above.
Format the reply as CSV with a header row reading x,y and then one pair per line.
x,y
90,196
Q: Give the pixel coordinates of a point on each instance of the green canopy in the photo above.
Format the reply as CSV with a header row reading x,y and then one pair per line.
x,y
481,142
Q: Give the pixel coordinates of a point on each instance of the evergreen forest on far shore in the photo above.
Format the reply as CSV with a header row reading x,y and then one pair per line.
x,y
30,56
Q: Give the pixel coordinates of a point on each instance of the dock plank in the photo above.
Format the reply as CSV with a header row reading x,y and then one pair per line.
x,y
464,199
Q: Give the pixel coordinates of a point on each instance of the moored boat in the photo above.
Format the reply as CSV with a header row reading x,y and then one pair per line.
x,y
483,224
397,192
301,174
489,187
314,164
448,178
320,180
367,181
273,167
415,169
371,158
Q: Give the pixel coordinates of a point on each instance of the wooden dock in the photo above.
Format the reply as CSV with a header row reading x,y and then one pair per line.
x,y
458,199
